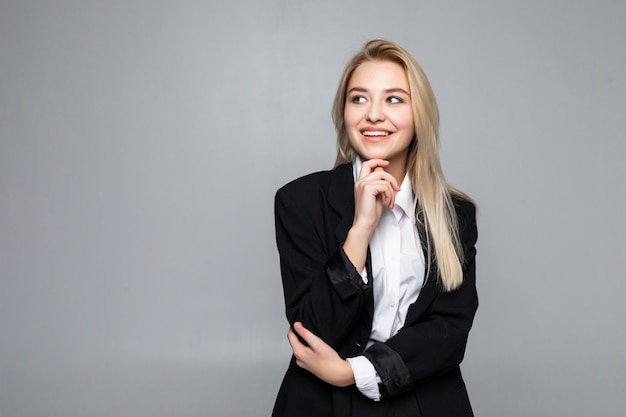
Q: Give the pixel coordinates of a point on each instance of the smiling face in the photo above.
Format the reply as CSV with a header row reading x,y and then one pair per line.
x,y
378,115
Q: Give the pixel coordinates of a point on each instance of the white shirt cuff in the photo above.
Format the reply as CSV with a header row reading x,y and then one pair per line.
x,y
364,276
366,377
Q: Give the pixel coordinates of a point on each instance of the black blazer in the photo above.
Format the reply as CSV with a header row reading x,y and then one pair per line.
x,y
419,366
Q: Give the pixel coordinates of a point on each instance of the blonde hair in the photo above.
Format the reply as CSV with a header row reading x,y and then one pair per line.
x,y
433,201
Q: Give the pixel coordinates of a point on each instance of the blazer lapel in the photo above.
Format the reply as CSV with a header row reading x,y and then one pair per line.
x,y
341,199
425,298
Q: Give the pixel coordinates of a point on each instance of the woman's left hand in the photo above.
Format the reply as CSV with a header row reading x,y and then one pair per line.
x,y
319,358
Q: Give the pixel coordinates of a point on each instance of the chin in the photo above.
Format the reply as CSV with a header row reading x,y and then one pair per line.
x,y
374,155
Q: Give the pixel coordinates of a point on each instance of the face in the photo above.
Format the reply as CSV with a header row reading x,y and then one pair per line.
x,y
378,115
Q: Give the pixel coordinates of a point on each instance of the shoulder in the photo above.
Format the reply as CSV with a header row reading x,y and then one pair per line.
x,y
312,185
466,217
464,206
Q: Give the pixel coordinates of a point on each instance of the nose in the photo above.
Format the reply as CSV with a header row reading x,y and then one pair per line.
x,y
375,113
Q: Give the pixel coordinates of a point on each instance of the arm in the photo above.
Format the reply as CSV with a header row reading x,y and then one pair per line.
x,y
319,358
322,285
322,288
374,189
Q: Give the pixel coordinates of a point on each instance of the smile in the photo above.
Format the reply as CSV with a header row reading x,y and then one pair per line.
x,y
375,133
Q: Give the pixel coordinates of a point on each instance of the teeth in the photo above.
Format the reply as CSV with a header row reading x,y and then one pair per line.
x,y
375,133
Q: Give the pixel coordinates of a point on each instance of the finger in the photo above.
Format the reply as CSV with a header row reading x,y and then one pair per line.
x,y
294,342
291,337
306,334
385,193
379,174
387,198
374,162
380,189
370,165
387,177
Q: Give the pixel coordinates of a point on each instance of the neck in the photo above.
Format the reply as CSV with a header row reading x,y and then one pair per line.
x,y
397,168
398,172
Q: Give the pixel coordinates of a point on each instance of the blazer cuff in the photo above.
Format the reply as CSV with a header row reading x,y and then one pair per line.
x,y
343,275
395,376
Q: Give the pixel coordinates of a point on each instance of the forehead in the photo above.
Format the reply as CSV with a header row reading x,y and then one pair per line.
x,y
379,74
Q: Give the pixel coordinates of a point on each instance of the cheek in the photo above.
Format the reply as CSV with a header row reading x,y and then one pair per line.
x,y
351,132
405,121
350,118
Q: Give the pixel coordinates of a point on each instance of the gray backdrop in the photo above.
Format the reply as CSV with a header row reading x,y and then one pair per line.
x,y
141,145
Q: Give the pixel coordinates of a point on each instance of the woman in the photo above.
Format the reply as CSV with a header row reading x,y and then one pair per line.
x,y
377,257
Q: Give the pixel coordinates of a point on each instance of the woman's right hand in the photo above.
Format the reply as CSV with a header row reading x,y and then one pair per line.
x,y
374,189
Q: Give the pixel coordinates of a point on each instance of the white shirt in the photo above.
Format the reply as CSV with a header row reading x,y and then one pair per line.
x,y
398,270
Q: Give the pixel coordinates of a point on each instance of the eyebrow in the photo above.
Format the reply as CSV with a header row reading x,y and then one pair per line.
x,y
388,91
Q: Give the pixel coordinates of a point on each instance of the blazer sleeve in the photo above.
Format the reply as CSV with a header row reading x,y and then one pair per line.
x,y
322,288
435,343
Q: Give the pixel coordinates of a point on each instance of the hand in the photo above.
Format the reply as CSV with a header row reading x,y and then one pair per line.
x,y
319,358
374,188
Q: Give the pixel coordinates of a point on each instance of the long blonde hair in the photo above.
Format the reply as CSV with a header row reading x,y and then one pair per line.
x,y
433,201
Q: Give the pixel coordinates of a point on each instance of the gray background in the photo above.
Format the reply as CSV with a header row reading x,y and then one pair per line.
x,y
142,143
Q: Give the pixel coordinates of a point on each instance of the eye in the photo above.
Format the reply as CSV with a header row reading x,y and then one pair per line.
x,y
394,100
357,99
